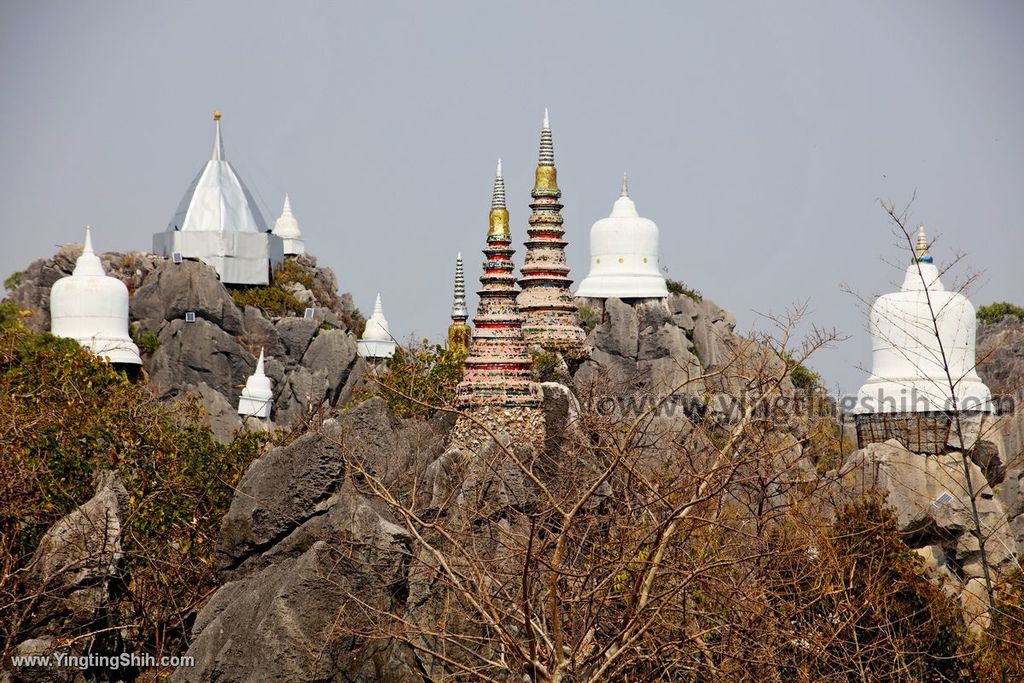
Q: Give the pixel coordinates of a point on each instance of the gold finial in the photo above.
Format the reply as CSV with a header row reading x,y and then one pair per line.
x,y
216,115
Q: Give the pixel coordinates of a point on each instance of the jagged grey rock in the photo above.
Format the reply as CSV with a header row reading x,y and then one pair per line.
x,y
175,289
260,333
333,351
222,416
193,353
929,495
300,539
296,333
74,569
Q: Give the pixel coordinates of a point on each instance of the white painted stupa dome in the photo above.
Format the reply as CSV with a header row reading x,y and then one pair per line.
x,y
376,341
907,371
287,228
258,395
92,308
624,255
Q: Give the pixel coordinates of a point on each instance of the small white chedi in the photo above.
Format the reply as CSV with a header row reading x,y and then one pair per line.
x,y
258,395
287,228
376,341
907,370
218,222
624,255
92,308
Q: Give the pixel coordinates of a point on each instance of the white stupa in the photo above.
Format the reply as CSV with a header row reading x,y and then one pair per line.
x,y
376,341
258,395
907,374
287,228
624,255
219,223
92,308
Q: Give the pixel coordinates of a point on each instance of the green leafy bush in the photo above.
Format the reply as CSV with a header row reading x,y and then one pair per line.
x,y
147,341
416,382
13,280
64,415
675,287
995,312
589,317
272,300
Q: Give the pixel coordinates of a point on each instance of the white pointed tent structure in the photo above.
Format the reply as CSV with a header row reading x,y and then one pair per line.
x,y
218,222
287,228
92,308
624,255
258,395
376,341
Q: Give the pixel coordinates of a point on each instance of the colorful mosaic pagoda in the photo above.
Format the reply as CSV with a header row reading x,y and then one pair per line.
x,y
549,312
497,388
458,331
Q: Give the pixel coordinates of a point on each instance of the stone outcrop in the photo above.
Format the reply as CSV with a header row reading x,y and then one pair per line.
x,y
930,497
657,346
300,540
75,571
311,361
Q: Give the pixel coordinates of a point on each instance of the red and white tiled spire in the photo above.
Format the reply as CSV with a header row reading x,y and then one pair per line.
x,y
549,312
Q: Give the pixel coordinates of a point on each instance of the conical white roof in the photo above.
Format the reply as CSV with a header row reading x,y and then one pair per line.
x,y
376,341
258,395
287,226
217,200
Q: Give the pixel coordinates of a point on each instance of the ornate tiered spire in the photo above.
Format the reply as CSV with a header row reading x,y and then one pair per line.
x,y
921,253
547,305
497,371
458,331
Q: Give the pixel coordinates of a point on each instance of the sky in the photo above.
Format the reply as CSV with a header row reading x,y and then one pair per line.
x,y
760,137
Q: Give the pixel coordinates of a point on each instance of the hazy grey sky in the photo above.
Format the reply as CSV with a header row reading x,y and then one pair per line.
x,y
759,136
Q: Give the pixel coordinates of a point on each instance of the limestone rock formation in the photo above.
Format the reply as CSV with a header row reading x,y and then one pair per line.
x,y
75,571
929,495
311,361
299,541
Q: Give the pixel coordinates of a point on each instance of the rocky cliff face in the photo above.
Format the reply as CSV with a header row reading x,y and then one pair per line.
x,y
310,361
303,536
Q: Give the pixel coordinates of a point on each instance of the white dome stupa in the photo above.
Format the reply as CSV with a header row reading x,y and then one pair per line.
x,y
376,341
624,255
258,395
287,228
908,372
92,308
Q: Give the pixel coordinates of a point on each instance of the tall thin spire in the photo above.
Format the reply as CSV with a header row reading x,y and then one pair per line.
x,y
499,212
921,253
218,145
547,145
498,195
625,186
259,364
547,305
459,312
378,307
458,331
88,263
287,210
497,370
